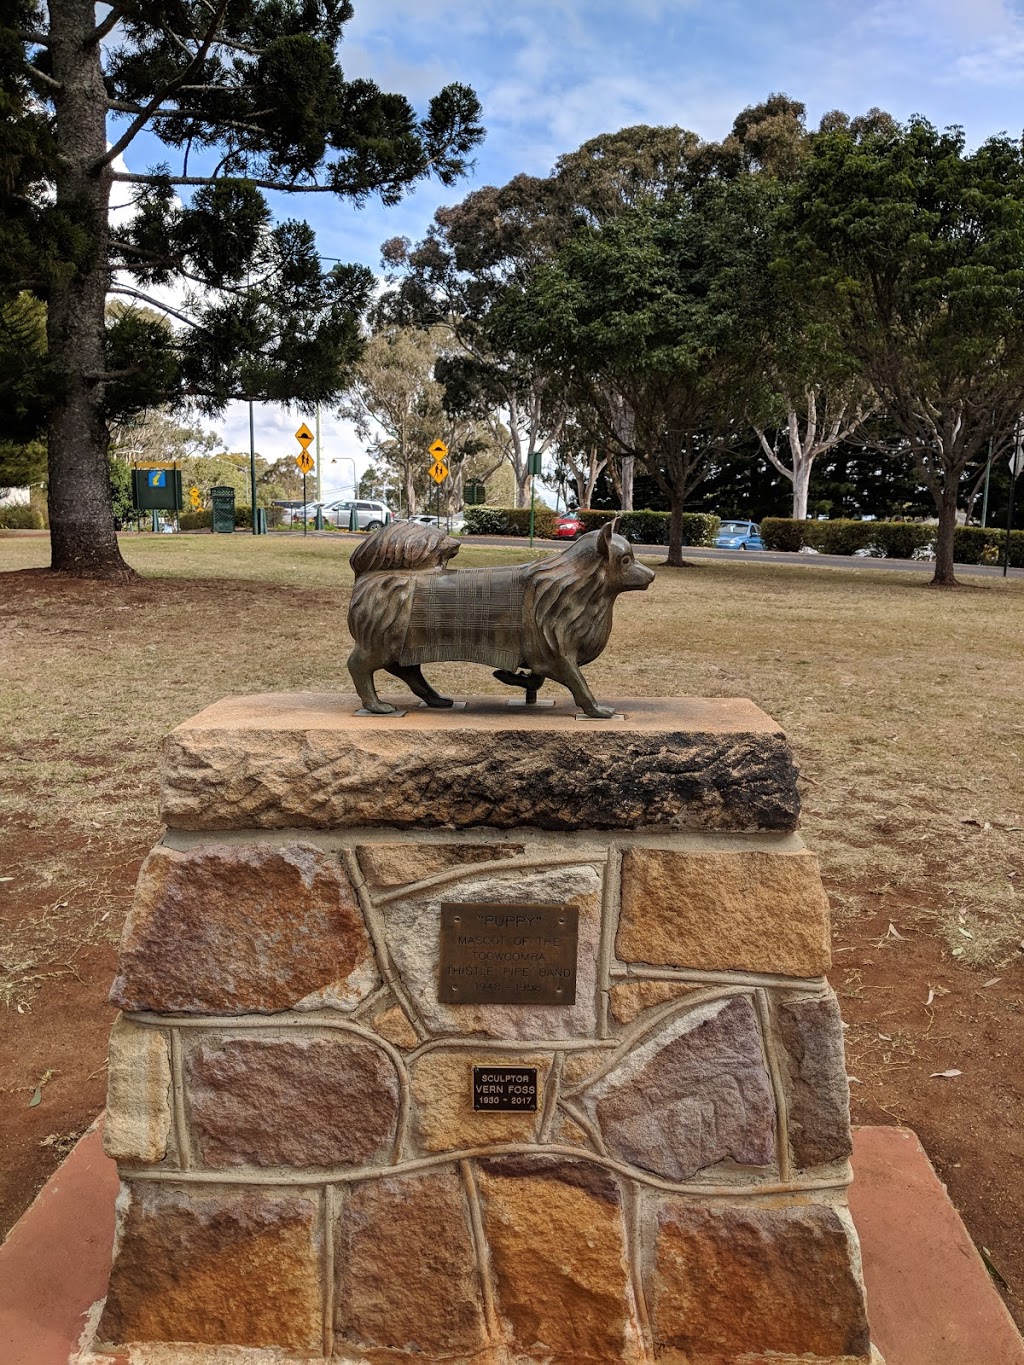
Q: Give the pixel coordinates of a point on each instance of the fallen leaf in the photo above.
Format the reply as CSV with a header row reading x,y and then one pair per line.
x,y
37,1095
894,932
6,879
931,996
941,1075
990,982
966,933
855,1080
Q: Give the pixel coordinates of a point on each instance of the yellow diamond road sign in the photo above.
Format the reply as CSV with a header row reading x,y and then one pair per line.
x,y
304,436
439,471
194,497
439,450
304,461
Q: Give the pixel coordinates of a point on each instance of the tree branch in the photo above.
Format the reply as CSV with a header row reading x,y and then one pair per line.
x,y
104,27
155,303
124,107
283,187
37,39
42,76
139,123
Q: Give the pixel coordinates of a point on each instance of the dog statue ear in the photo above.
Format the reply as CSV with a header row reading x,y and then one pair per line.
x,y
616,523
604,540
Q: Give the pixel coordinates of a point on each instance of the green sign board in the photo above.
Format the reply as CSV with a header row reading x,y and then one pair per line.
x,y
222,500
474,494
157,490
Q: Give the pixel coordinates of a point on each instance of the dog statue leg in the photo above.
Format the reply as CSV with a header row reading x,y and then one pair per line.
x,y
362,668
413,678
569,676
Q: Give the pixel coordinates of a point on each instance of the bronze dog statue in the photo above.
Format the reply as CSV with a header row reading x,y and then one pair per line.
x,y
527,621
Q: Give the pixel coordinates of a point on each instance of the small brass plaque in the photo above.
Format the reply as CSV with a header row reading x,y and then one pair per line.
x,y
505,1087
508,954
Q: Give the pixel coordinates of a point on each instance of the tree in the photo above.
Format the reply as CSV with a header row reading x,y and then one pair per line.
x,y
661,312
247,98
830,416
923,244
395,401
471,257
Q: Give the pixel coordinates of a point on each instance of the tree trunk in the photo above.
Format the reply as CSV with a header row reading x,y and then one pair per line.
x,y
675,534
83,541
944,577
801,487
626,477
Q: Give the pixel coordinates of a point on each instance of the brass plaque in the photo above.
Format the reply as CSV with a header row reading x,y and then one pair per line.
x,y
508,954
505,1087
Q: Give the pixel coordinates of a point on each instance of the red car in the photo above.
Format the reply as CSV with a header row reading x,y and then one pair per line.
x,y
568,526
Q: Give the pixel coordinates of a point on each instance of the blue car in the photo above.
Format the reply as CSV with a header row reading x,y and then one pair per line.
x,y
739,535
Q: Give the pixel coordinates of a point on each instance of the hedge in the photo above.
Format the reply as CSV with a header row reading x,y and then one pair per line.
x,y
21,517
509,521
201,521
644,527
890,539
986,545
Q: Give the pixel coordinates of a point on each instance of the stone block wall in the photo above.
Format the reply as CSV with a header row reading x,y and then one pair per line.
x,y
290,1101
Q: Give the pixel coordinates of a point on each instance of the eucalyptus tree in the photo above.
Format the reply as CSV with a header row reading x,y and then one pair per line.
x,y
923,244
662,311
458,275
246,99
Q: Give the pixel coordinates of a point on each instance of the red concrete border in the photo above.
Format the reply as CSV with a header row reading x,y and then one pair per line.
x,y
930,1299
55,1262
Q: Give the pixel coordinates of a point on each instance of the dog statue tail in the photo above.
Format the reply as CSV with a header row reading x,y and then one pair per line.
x,y
403,547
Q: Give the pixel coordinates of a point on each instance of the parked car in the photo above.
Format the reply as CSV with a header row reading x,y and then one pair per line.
x,y
739,535
295,513
455,524
425,519
568,526
370,515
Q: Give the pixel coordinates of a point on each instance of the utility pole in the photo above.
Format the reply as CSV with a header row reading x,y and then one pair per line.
x,y
252,471
319,482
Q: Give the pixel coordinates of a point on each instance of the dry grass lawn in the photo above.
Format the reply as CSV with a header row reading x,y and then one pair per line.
x,y
904,706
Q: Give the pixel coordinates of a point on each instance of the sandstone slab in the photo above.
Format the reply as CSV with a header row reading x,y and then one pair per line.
x,y
406,1269
734,1283
629,999
138,1117
389,865
413,929
817,1089
327,1102
750,910
303,759
239,1268
442,1087
393,1025
555,1232
693,1093
240,928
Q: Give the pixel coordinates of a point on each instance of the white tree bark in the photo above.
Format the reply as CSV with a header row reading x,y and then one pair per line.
x,y
828,420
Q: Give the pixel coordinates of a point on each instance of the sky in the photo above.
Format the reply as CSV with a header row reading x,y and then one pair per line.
x,y
553,73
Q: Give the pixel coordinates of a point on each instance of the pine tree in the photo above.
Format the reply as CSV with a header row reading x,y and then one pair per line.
x,y
247,98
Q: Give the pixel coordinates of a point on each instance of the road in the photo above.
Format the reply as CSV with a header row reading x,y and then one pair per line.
x,y
793,561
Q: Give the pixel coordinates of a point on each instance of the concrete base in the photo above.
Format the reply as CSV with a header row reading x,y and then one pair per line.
x,y
930,1299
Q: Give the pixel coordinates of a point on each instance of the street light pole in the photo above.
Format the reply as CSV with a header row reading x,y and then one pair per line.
x,y
252,470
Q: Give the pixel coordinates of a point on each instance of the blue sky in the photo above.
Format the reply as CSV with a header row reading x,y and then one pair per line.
x,y
553,73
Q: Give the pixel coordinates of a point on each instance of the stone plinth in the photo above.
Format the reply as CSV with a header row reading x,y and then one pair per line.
x,y
291,1095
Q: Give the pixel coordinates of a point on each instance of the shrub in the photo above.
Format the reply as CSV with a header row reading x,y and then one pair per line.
x,y
20,517
985,545
888,539
783,533
194,521
645,527
509,521
900,539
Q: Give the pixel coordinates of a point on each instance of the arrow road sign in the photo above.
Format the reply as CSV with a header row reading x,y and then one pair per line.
x,y
304,437
438,471
304,461
438,450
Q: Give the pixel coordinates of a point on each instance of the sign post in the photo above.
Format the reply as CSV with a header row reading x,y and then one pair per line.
x,y
534,467
305,462
1016,467
438,453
